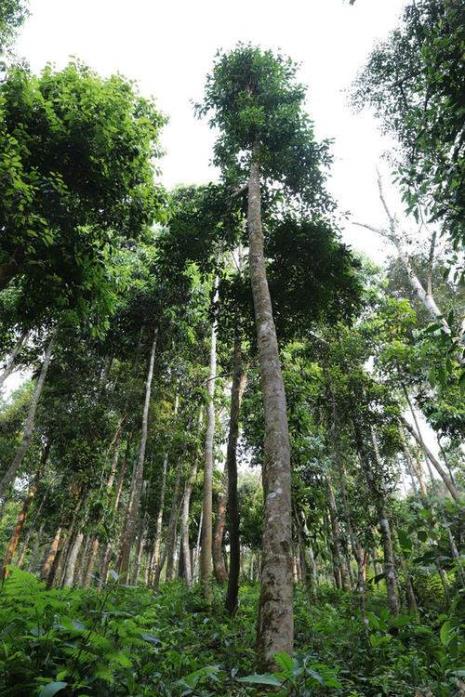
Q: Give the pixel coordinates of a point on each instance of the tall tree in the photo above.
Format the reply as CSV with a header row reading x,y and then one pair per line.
x,y
253,97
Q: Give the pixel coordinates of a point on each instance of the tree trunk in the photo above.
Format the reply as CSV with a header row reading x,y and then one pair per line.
x,y
136,490
434,461
14,540
219,567
28,433
341,570
275,629
87,576
386,536
185,546
155,558
207,532
389,563
70,569
196,555
170,546
371,468
10,364
83,561
50,558
233,517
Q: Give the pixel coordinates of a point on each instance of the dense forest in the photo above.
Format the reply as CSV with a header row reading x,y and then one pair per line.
x,y
231,448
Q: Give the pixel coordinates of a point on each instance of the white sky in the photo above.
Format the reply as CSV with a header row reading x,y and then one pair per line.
x,y
168,47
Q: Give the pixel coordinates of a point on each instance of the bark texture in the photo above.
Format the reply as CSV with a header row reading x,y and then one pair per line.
x,y
219,566
233,517
28,432
275,630
138,478
10,364
207,530
154,572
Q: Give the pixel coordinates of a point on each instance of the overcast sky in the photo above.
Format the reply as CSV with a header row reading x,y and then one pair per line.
x,y
168,47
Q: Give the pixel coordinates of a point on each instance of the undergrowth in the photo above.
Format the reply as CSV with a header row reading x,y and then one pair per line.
x,y
131,642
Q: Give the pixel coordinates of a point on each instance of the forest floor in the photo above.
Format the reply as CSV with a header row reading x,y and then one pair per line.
x,y
133,642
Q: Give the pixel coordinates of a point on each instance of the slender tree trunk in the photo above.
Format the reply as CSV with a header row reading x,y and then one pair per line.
x,y
434,461
170,546
207,532
275,630
369,467
50,558
219,566
196,555
87,576
83,561
70,569
386,536
155,558
136,492
341,570
28,433
308,560
184,532
361,557
34,564
10,364
14,540
233,516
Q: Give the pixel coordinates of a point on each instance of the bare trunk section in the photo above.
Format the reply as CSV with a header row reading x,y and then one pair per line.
x,y
275,630
154,572
10,364
28,432
196,554
184,532
219,566
434,461
170,546
369,464
207,507
50,558
390,573
233,517
92,558
136,490
341,572
70,569
22,516
14,540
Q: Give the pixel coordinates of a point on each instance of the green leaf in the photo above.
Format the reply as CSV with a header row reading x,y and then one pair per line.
x,y
285,662
265,679
52,688
446,633
404,540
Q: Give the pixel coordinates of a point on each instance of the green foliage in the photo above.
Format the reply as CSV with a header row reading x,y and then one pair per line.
x,y
130,641
415,82
253,98
77,181
12,15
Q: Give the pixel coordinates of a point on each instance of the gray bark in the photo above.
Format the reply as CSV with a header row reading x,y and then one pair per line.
x,y
138,479
207,531
28,432
11,362
275,629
